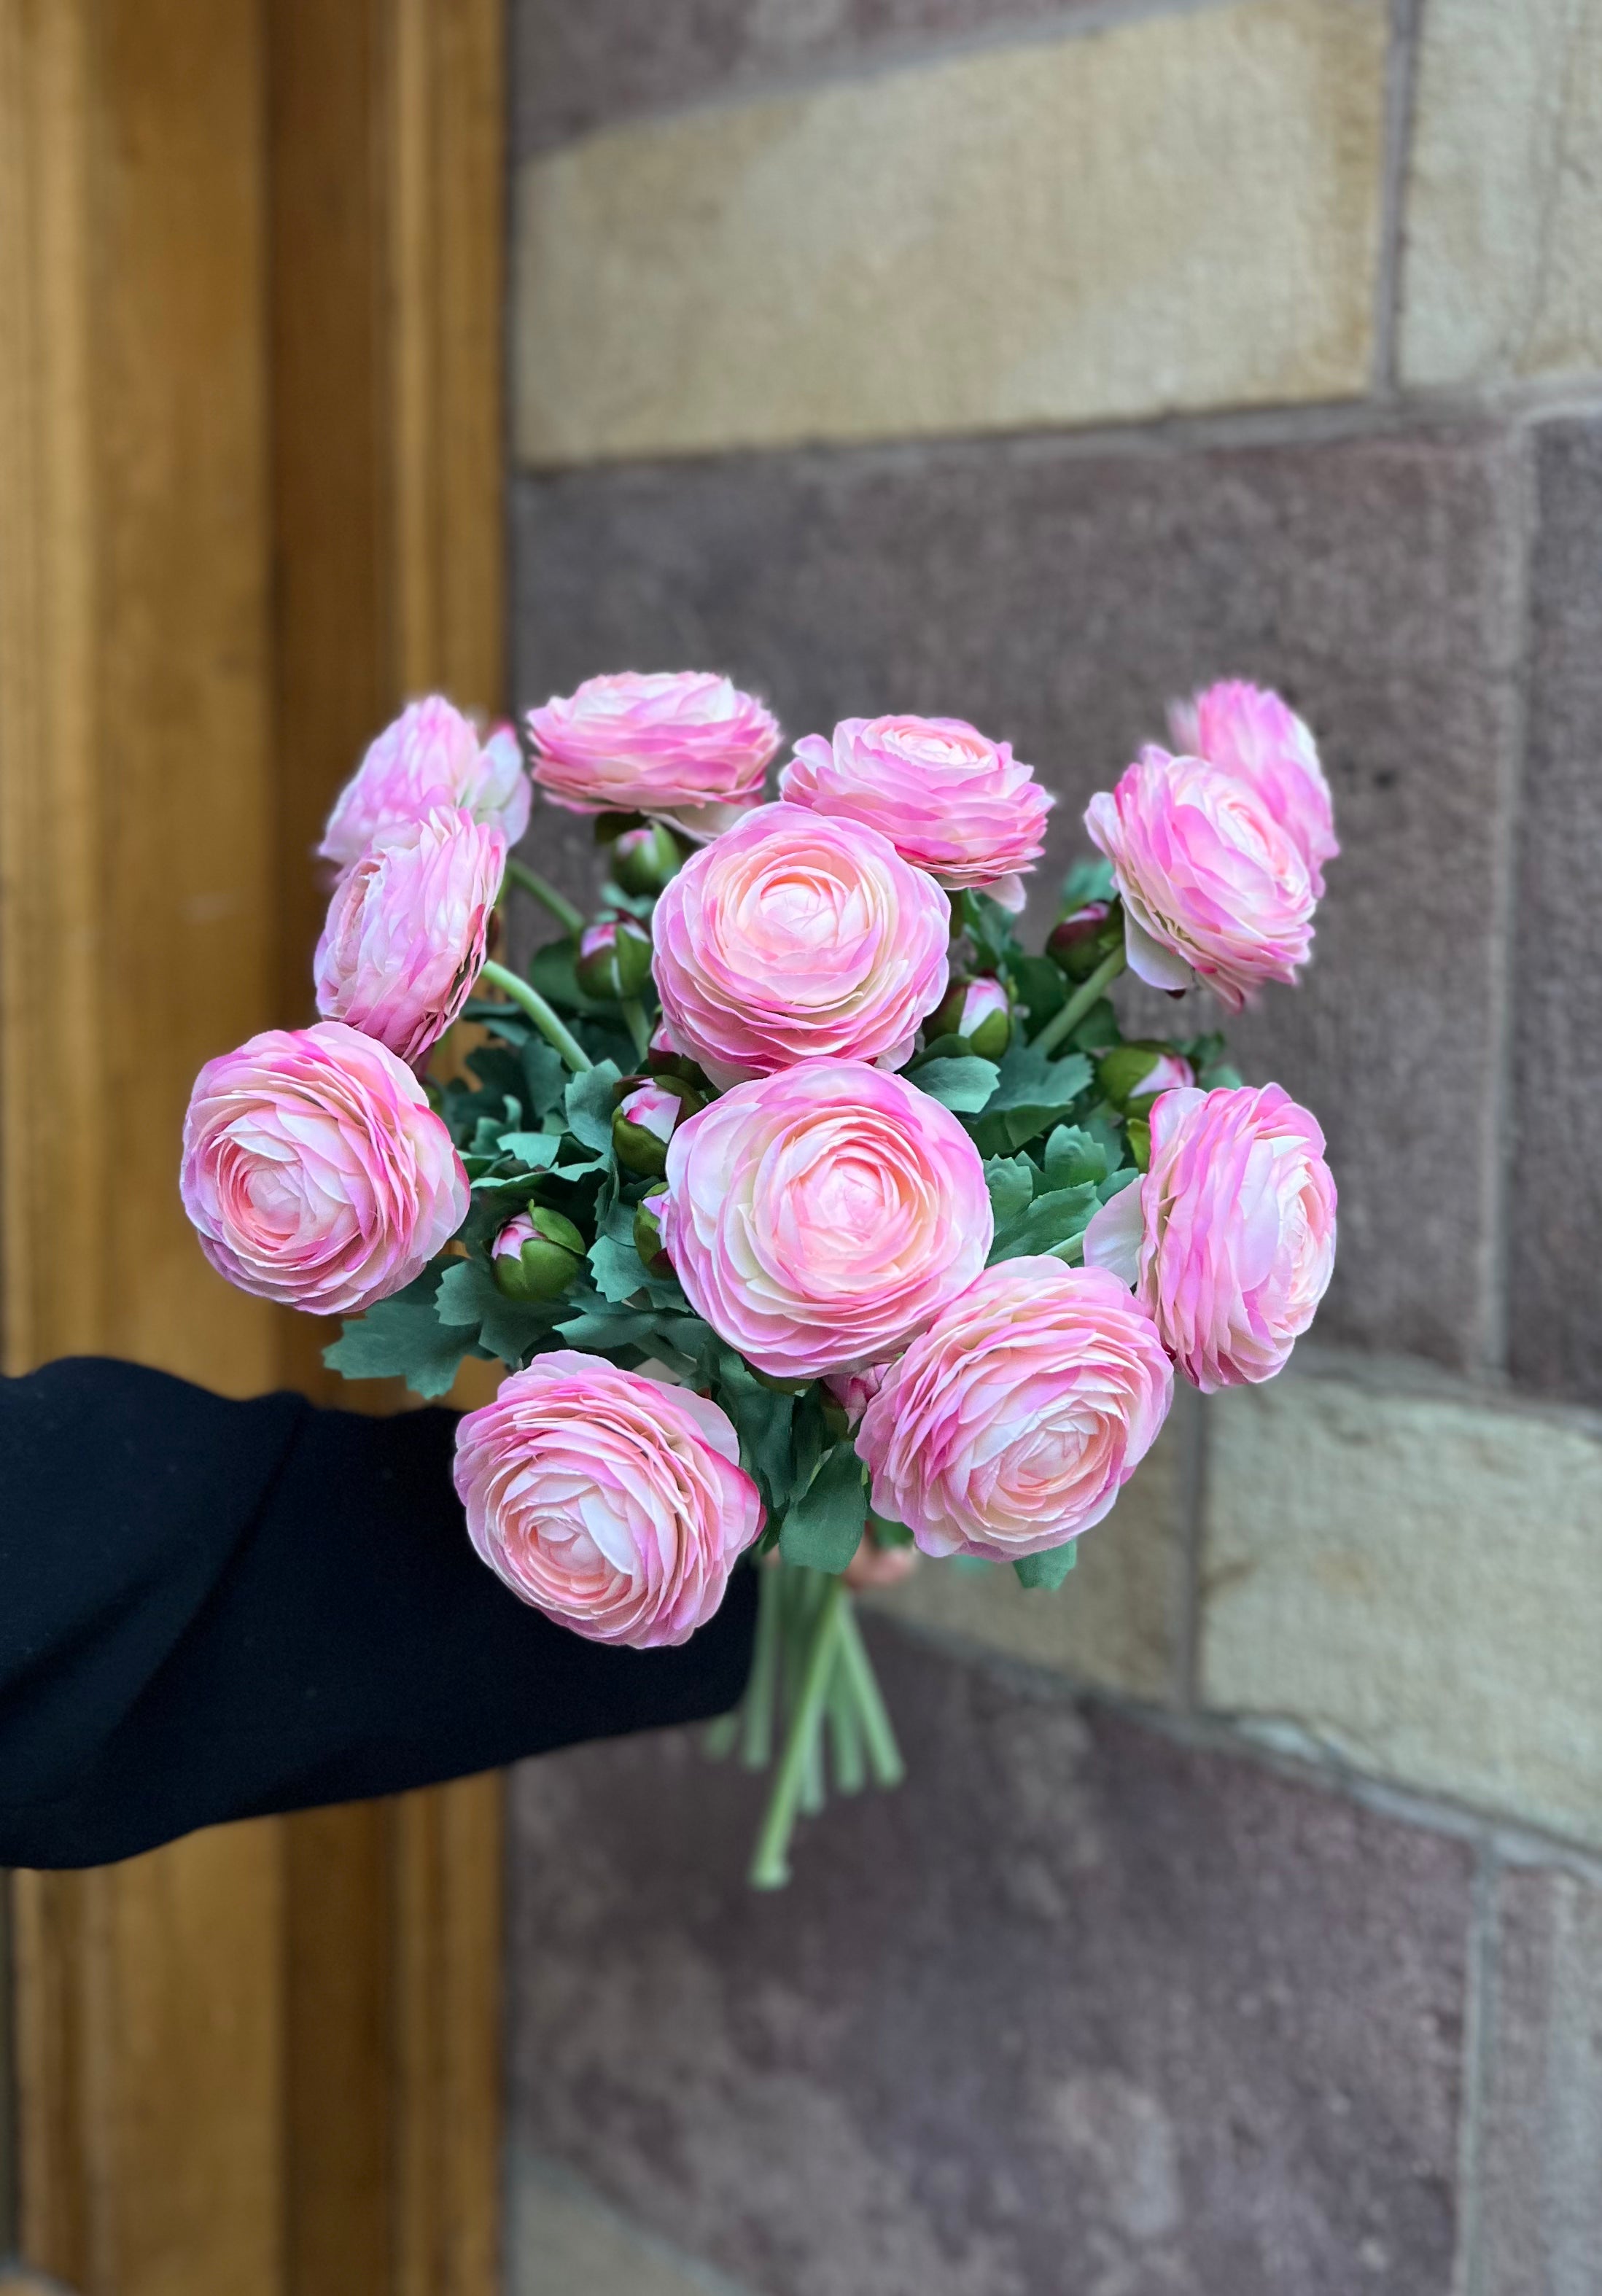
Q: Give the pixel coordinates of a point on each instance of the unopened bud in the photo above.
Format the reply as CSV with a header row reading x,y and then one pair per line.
x,y
537,1254
1131,1075
648,1234
615,958
663,1058
1086,938
979,1013
644,1122
644,859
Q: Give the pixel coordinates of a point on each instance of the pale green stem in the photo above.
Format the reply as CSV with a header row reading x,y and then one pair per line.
x,y
1063,1023
845,1733
884,1754
517,873
770,1865
639,1027
756,1736
529,1001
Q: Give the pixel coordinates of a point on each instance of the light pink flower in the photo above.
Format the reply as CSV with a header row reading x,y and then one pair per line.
x,y
613,1503
654,1108
405,935
1228,1241
431,756
315,1170
1013,1422
1251,732
680,742
795,937
819,1217
949,800
854,1390
1210,881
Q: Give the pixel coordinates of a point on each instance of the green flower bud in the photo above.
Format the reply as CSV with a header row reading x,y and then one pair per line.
x,y
644,859
648,1234
1131,1075
1139,1133
979,1011
1085,940
615,958
644,1121
537,1254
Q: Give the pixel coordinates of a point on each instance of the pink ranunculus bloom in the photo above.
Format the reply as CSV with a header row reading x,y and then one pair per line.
x,y
405,935
683,742
1251,732
819,1217
1013,1422
613,1503
1228,1240
431,756
1212,883
315,1170
797,937
949,800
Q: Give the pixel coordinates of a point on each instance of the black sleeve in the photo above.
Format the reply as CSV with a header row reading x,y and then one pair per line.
x,y
212,1609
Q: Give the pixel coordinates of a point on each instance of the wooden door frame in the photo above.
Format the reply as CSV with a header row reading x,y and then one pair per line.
x,y
251,486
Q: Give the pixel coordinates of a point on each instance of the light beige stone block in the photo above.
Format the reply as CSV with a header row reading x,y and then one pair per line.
x,y
1116,1620
1415,1580
1503,270
1180,212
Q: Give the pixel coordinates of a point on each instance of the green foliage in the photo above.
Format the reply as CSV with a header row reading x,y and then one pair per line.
x,y
1088,880
1032,1093
1049,1570
402,1338
1011,1181
823,1528
591,1099
965,1083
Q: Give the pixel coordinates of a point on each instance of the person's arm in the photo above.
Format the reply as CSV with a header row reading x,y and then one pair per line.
x,y
212,1609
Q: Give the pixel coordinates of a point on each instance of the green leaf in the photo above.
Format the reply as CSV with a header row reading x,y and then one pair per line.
x,y
1011,1181
551,970
964,1083
1042,988
764,1419
619,1271
989,928
1050,1222
544,1074
1048,1570
512,1329
823,1528
589,1106
1072,1156
538,1151
1089,880
401,1338
1032,1093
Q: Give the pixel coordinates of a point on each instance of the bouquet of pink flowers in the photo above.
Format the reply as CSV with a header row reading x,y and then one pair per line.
x,y
812,1216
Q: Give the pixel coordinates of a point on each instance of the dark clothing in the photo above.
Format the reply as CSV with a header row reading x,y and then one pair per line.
x,y
213,1609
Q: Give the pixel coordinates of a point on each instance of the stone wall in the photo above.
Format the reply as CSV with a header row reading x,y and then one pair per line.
x,y
1240,1931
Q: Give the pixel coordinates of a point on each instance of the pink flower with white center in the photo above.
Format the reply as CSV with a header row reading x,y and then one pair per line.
x,y
1248,731
405,935
316,1172
429,757
683,743
1011,1425
819,1217
949,800
611,1503
795,937
1228,1241
1212,884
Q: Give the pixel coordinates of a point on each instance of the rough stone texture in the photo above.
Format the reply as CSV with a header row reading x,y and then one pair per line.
x,y
1076,2009
1119,1621
1416,1581
579,68
1556,1206
561,2241
1503,264
1540,2202
1026,235
1057,597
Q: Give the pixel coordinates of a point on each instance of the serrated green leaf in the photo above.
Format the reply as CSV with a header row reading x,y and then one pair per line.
x,y
400,1338
823,1528
1032,1093
544,1074
1073,1157
620,1273
764,1419
1011,1181
964,1083
1049,1570
512,1329
590,1100
1051,1221
539,1151
989,927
